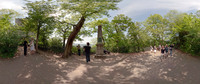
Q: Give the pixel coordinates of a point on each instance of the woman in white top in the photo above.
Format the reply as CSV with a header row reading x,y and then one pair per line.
x,y
155,49
32,46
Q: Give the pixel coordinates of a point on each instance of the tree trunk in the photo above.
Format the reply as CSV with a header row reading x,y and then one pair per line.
x,y
138,46
64,38
38,33
72,37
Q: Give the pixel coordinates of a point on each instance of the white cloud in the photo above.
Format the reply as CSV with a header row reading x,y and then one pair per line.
x,y
142,5
9,5
136,9
16,5
139,10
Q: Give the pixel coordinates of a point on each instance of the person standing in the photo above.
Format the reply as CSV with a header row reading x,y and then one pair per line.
x,y
166,50
79,49
32,46
151,49
154,49
170,49
25,47
160,46
162,52
87,52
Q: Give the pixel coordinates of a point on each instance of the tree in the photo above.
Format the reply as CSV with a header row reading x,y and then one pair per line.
x,y
114,32
39,14
7,16
85,9
121,24
138,37
65,26
9,37
63,29
189,34
157,27
176,21
184,30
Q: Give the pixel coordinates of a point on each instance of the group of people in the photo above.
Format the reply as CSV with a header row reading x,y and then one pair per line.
x,y
32,49
164,50
32,46
87,51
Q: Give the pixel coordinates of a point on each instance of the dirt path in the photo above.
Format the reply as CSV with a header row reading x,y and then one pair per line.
x,y
142,68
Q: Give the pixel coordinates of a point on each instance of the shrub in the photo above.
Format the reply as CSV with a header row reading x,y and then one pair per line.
x,y
74,50
55,44
9,41
93,49
43,43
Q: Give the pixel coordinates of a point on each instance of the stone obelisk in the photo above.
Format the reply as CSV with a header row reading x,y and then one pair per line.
x,y
99,51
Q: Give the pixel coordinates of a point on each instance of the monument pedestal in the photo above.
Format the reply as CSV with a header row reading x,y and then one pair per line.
x,y
99,51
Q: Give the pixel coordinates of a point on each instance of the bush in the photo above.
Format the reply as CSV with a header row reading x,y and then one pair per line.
x,y
43,43
9,41
55,44
93,49
74,50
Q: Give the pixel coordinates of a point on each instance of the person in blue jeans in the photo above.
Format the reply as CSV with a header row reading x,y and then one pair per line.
x,y
87,52
170,49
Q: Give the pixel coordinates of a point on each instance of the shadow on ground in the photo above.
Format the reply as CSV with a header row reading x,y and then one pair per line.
x,y
133,68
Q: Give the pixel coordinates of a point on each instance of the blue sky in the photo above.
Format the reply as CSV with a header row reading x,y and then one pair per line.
x,y
138,10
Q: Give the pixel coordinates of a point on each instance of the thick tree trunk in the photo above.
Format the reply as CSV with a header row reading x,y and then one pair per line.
x,y
72,36
38,33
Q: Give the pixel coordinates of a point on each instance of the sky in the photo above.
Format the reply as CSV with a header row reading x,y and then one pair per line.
x,y
138,10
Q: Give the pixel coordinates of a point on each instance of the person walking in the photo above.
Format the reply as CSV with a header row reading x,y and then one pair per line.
x,y
79,49
25,43
32,46
87,52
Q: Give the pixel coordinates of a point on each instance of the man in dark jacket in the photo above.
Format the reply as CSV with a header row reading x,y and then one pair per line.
x,y
25,47
87,51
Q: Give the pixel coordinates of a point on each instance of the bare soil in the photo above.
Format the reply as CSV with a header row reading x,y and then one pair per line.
x,y
132,68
